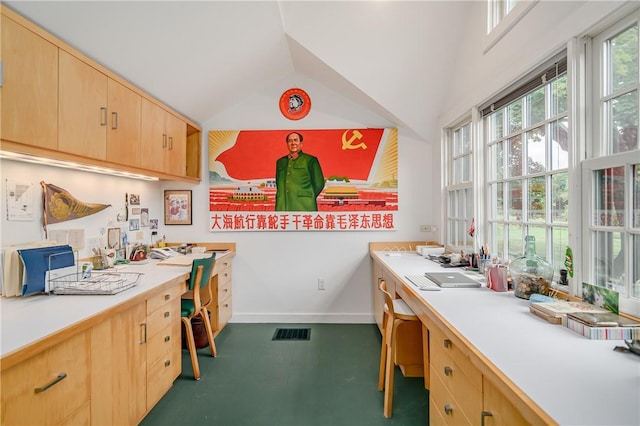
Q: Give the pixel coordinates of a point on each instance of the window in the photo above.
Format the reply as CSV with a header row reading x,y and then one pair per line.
x,y
498,9
611,173
459,187
526,145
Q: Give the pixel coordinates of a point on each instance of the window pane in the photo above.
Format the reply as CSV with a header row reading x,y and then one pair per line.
x,y
535,107
609,197
496,127
609,260
514,156
515,241
635,266
468,194
559,144
499,239
496,161
466,138
636,199
560,197
560,242
514,202
558,96
624,116
514,116
536,151
624,59
541,239
467,169
537,199
496,201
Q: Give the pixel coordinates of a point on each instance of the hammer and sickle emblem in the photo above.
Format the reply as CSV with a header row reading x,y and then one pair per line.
x,y
347,144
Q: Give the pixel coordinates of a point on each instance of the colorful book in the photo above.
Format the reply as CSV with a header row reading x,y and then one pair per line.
x,y
603,333
602,319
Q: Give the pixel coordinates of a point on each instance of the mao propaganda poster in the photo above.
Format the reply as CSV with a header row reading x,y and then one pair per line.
x,y
303,180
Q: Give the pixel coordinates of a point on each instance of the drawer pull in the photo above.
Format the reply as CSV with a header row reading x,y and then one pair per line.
x,y
103,116
167,296
167,338
167,363
483,415
114,120
447,343
143,326
448,409
166,314
447,371
60,377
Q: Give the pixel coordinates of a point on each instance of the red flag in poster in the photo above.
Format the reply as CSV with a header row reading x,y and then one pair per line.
x,y
341,152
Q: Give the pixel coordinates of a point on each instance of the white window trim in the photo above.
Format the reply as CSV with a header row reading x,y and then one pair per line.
x,y
507,22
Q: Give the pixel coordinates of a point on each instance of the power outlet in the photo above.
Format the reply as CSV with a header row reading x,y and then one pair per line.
x,y
322,284
426,228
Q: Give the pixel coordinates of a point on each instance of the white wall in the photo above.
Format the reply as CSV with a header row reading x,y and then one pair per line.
x,y
86,187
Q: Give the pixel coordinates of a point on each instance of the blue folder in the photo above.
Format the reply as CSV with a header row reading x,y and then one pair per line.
x,y
37,261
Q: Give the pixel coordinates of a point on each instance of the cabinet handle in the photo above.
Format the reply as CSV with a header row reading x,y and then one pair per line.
x,y
114,120
167,296
143,328
167,338
483,415
448,409
170,143
166,314
103,116
447,371
164,141
447,343
60,377
167,363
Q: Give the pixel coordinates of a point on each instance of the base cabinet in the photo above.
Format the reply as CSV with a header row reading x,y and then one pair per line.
x,y
52,387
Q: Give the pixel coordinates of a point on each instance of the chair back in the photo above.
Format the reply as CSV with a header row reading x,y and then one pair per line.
x,y
207,269
388,300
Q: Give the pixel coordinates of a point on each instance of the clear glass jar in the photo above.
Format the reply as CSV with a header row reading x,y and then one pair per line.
x,y
531,274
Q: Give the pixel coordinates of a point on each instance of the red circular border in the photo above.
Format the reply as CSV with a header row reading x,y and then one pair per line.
x,y
284,104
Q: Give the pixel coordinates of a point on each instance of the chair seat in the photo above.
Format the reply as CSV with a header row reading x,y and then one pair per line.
x,y
187,307
403,311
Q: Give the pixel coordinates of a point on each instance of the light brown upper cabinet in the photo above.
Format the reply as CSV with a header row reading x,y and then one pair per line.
x,y
123,132
164,139
29,88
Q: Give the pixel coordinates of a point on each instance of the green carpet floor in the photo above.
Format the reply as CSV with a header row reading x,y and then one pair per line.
x,y
329,380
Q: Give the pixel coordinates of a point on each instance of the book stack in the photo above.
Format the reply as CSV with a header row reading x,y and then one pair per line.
x,y
603,326
556,311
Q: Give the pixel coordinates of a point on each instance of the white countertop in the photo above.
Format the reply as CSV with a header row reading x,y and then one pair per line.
x,y
577,381
26,320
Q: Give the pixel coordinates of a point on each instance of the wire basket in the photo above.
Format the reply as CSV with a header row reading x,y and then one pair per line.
x,y
99,283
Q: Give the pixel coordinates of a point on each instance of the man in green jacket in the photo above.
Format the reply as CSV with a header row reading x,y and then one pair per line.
x,y
299,178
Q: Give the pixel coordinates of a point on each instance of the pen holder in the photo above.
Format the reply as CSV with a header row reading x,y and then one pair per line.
x,y
483,263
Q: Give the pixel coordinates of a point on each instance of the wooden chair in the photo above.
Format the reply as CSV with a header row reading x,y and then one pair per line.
x,y
396,314
200,278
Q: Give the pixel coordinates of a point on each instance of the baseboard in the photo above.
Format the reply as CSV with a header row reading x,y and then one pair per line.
x,y
304,318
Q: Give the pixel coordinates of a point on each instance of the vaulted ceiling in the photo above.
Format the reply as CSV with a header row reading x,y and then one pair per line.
x,y
393,58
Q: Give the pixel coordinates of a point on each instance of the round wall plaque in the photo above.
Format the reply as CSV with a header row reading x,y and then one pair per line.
x,y
295,104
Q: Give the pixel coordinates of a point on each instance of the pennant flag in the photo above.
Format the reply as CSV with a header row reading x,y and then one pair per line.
x,y
60,206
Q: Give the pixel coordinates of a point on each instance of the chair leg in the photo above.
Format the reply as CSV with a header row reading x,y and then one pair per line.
x,y
191,344
204,314
383,354
388,382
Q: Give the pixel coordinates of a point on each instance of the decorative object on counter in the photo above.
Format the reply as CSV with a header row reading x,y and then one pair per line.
x,y
563,277
59,206
177,207
295,104
531,274
497,278
568,261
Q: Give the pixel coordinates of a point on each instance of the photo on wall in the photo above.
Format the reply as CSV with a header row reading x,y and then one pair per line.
x,y
303,180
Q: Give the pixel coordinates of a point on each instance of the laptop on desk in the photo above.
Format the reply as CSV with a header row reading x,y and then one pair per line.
x,y
452,280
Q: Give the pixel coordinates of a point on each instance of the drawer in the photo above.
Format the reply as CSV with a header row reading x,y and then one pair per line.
x,y
33,391
220,265
435,414
444,405
224,314
160,299
224,289
161,374
161,343
455,371
162,318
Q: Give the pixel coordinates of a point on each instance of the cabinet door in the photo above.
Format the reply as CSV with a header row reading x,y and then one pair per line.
x,y
50,387
176,153
154,141
123,134
82,120
30,87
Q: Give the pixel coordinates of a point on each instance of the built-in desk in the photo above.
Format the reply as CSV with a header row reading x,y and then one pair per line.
x,y
491,361
93,359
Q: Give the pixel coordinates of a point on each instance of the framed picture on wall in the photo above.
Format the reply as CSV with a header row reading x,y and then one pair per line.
x,y
177,207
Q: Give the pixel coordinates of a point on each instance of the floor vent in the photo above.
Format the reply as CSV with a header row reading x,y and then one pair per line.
x,y
292,334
